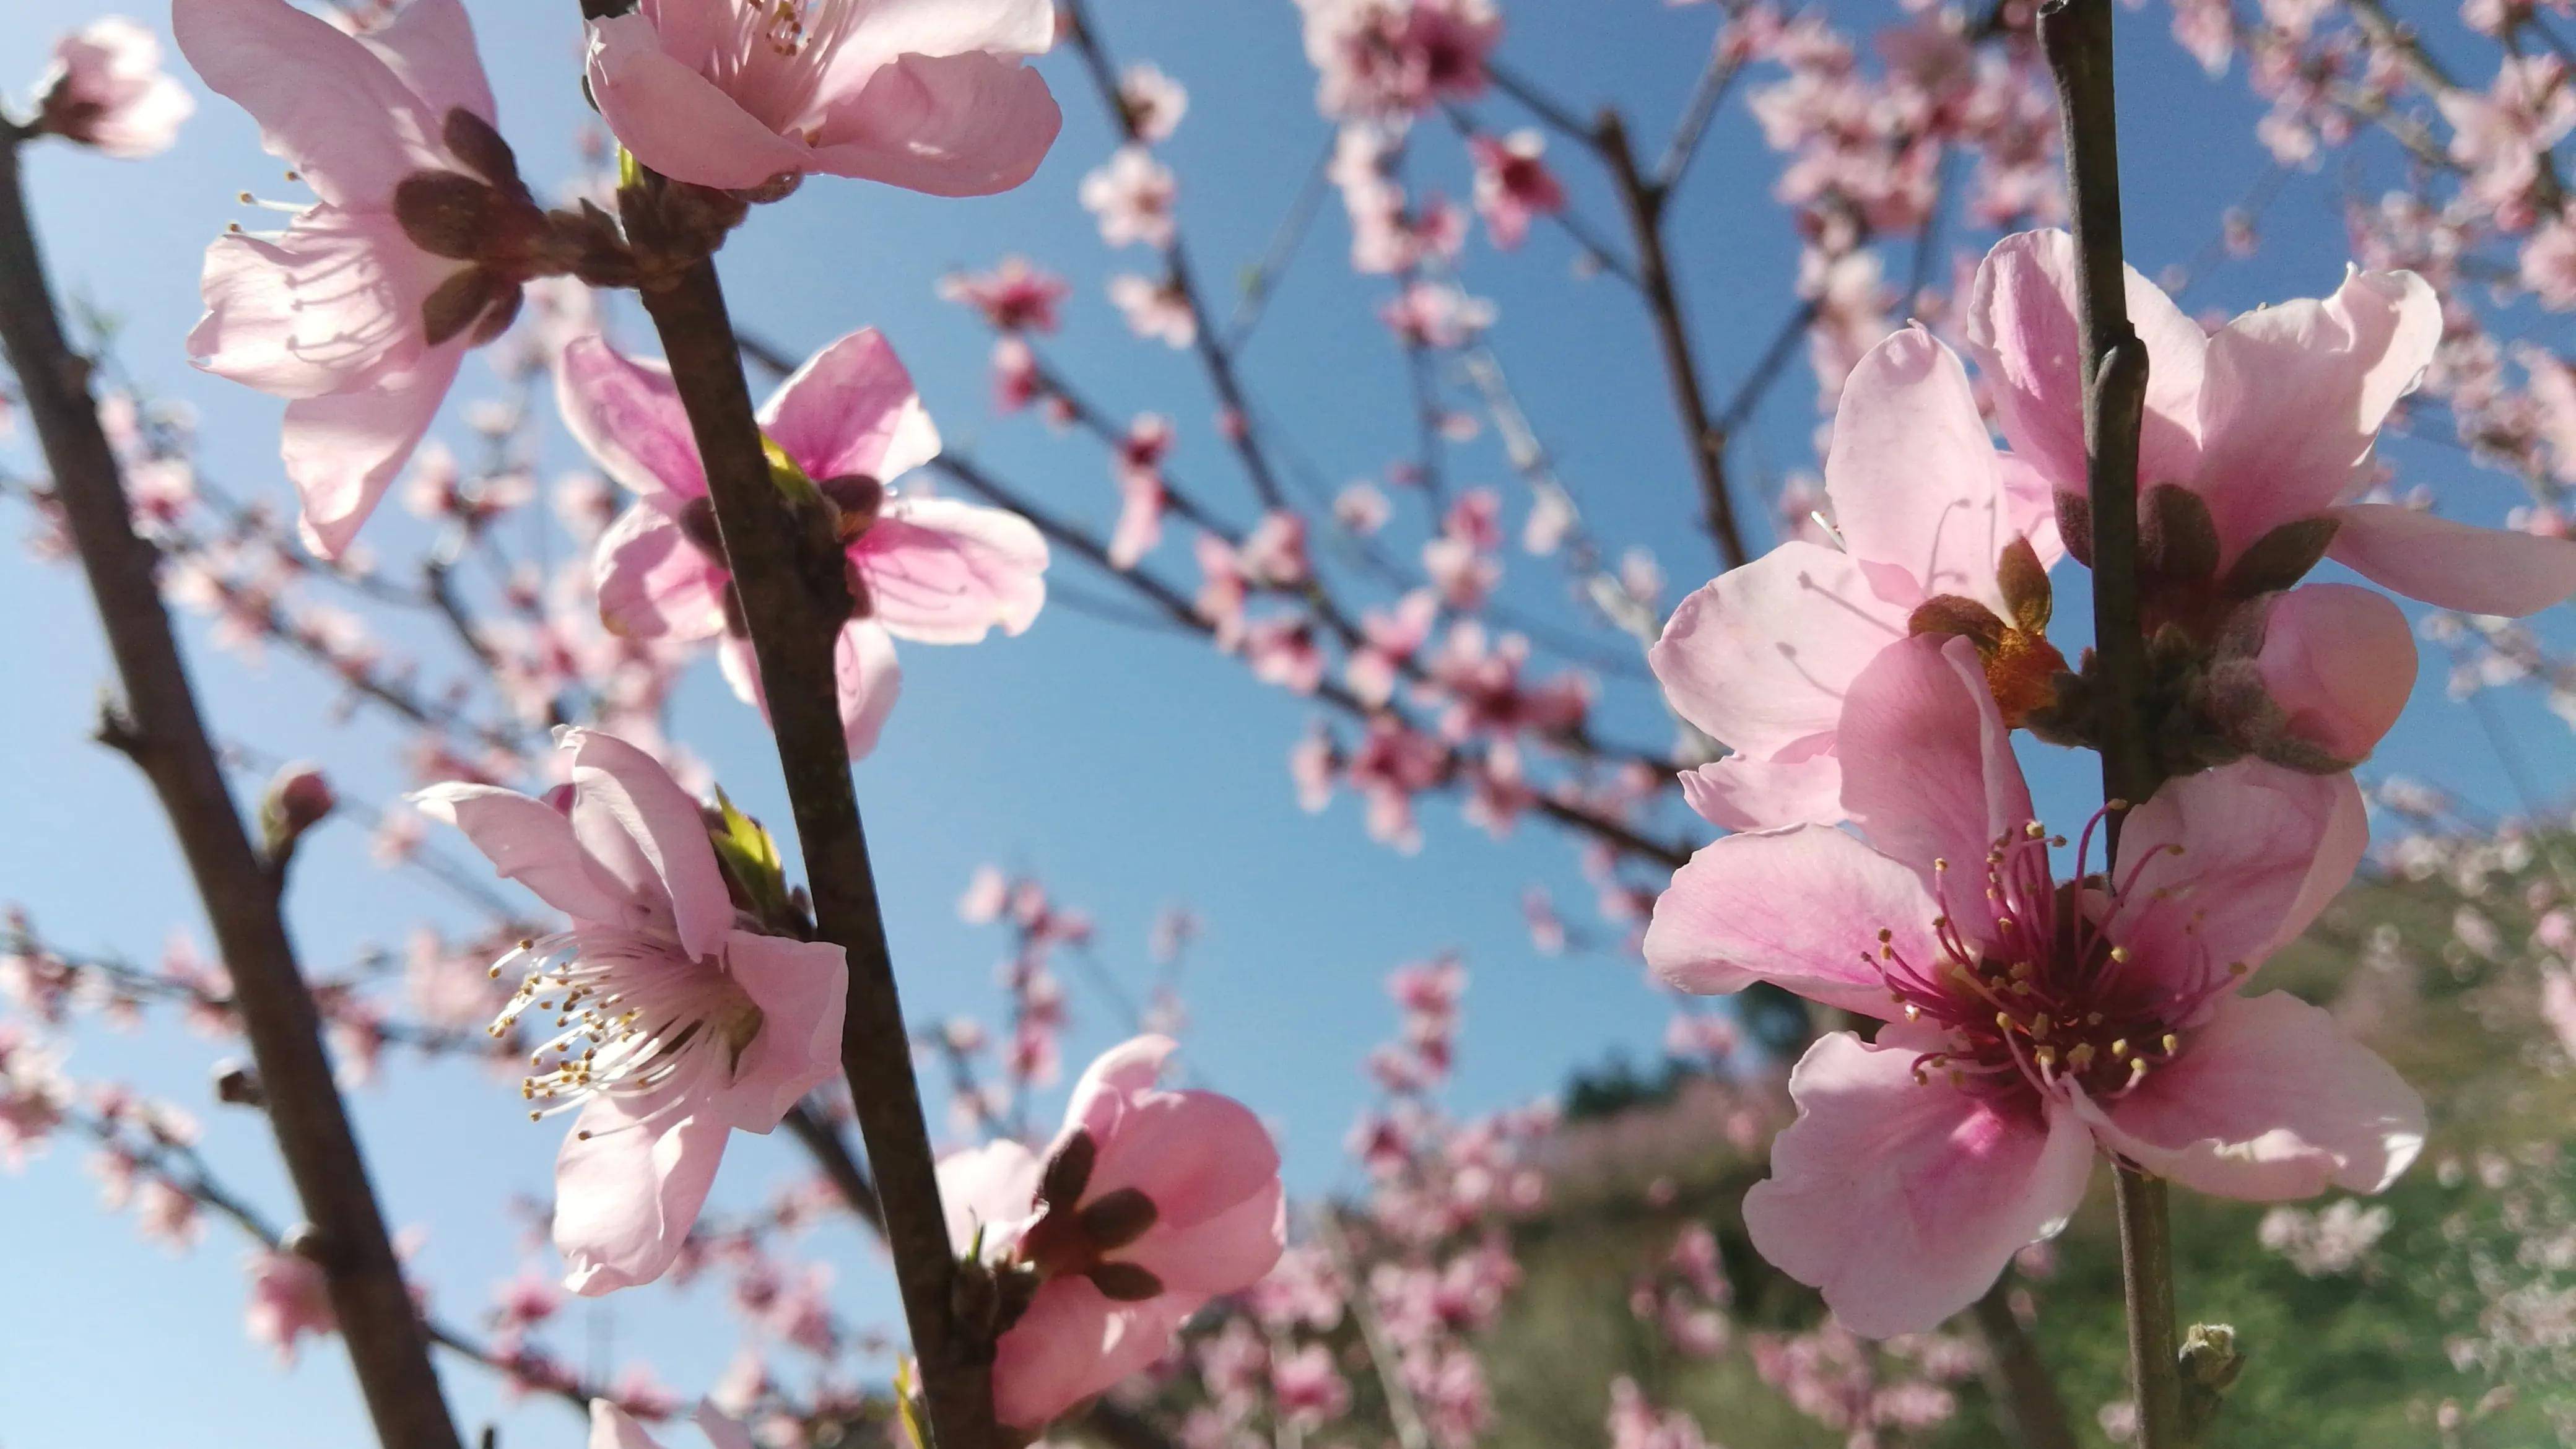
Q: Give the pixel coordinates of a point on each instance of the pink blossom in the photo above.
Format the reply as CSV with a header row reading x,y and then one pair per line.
x,y
1137,467
34,1096
1513,184
1155,311
929,570
613,1428
2500,136
1149,1203
930,98
1436,315
1761,658
718,1028
106,89
1921,1162
1132,195
1396,57
2270,422
289,1298
1014,297
348,316
1154,102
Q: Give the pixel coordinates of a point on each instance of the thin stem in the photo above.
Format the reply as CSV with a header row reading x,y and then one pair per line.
x,y
1644,204
789,576
2077,37
1724,65
2022,1382
160,727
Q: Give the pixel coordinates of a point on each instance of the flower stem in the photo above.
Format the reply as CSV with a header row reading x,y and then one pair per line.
x,y
158,725
788,575
2077,38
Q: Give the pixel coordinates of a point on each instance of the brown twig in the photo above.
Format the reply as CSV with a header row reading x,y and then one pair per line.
x,y
1644,204
159,726
788,574
2022,1383
2077,37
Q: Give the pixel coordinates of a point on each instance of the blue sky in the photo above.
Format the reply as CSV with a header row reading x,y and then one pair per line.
x,y
1129,770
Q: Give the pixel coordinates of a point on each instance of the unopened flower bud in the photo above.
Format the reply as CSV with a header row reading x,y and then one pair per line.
x,y
296,801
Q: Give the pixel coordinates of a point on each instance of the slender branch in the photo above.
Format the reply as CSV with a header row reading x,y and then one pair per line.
x,y
2023,1384
1262,281
1707,444
1216,357
1724,65
1538,103
832,1153
2077,37
788,574
160,727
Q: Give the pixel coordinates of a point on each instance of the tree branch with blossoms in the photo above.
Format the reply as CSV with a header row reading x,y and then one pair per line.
x,y
157,723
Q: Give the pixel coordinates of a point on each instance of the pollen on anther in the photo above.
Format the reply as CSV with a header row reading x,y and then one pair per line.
x,y
2172,1043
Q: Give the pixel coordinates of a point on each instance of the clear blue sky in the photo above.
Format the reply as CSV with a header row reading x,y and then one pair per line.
x,y
1131,771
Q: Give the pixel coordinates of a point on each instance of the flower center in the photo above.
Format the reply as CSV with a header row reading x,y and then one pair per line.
x,y
635,1018
2046,996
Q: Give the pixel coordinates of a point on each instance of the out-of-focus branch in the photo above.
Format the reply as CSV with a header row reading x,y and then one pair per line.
x,y
159,726
2022,1382
789,575
1216,354
1644,203
1262,281
2077,37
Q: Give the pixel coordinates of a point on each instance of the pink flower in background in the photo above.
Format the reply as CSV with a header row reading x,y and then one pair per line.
x,y
1154,101
1014,297
2269,423
1396,57
1155,311
612,1428
930,98
106,89
1150,1203
289,1298
1132,195
2027,1025
1513,184
929,570
1436,315
356,315
1760,658
1137,467
676,1026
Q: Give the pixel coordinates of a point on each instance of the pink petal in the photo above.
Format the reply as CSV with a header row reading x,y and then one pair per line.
x,y
429,45
1196,1154
655,584
721,1431
1126,1070
1225,1253
2263,849
640,824
946,27
675,120
870,681
2454,565
851,409
2296,393
1760,657
626,413
331,305
627,1192
2023,333
327,104
1800,908
1928,767
956,125
1074,1343
1913,477
610,1428
1904,1200
992,1186
945,572
2339,661
342,451
530,842
2030,508
802,990
2270,1101
1743,793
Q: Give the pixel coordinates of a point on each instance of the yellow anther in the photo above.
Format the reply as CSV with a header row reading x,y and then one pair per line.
x,y
2120,1048
2173,1043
